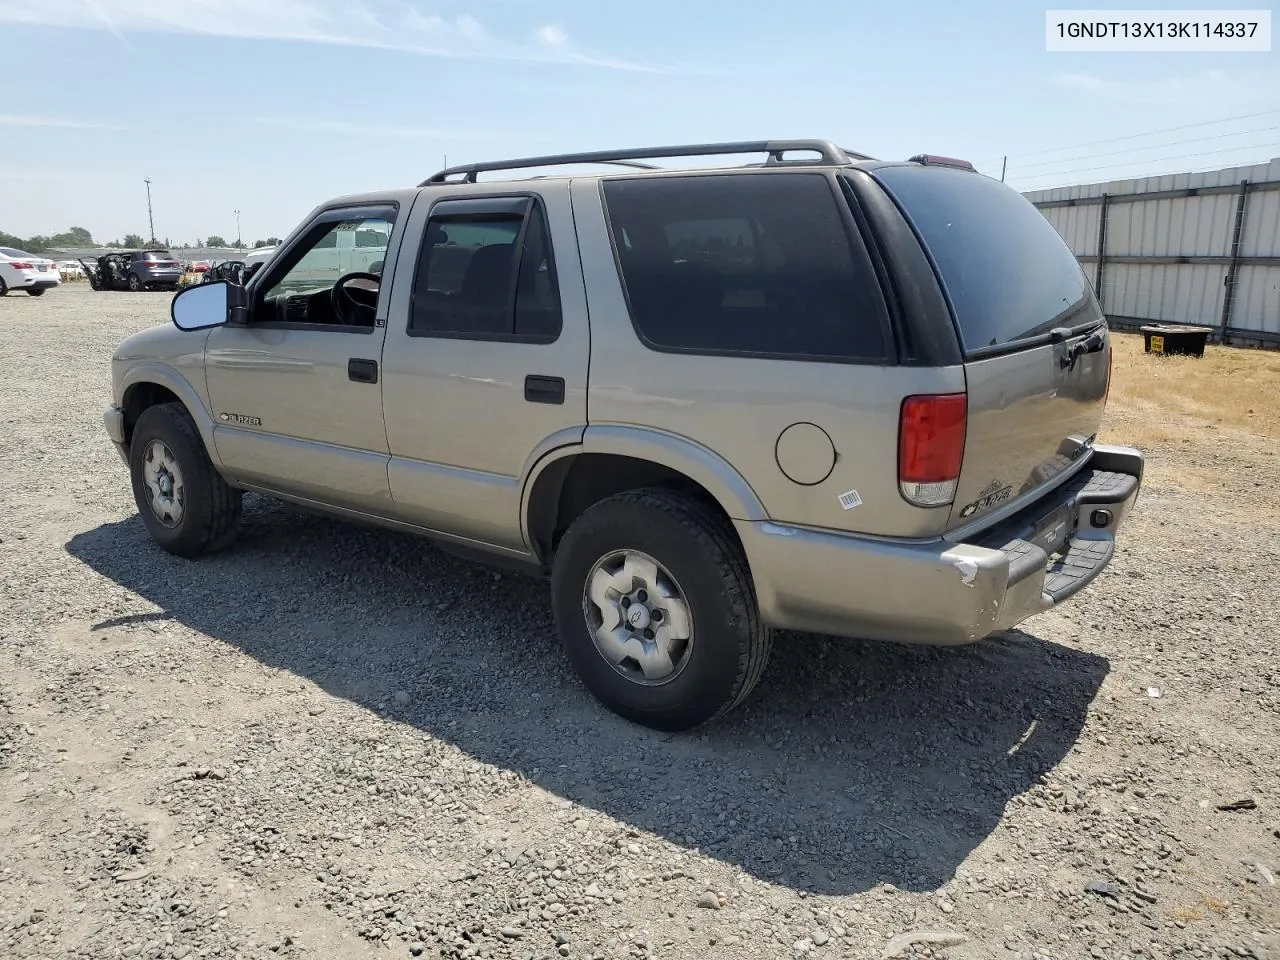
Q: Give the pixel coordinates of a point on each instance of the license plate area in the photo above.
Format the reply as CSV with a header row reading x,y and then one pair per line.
x,y
1054,530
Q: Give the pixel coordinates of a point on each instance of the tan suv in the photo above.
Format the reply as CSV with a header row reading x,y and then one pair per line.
x,y
819,392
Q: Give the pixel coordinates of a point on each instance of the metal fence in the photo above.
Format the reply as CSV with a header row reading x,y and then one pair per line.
x,y
1198,248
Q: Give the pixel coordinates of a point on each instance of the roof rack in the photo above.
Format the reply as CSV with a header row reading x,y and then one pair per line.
x,y
830,154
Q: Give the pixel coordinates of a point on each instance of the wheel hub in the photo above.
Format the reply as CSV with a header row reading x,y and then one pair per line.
x,y
163,479
638,617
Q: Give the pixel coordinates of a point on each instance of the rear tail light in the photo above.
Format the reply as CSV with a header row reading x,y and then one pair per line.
x,y
931,432
22,265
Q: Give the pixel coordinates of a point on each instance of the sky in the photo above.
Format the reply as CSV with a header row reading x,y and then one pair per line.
x,y
271,107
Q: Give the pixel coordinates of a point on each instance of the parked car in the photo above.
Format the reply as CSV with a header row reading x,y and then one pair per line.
x,y
70,270
24,271
821,393
134,270
254,260
232,270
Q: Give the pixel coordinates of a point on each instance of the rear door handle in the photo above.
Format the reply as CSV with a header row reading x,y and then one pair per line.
x,y
362,371
539,389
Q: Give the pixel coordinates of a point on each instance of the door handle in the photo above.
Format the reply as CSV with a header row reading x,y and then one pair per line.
x,y
362,371
539,389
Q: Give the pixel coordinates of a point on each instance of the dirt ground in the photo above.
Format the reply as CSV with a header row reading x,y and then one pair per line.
x,y
337,742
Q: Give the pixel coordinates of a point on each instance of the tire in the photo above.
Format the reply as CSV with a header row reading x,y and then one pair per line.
x,y
35,292
208,508
697,558
4,287
135,283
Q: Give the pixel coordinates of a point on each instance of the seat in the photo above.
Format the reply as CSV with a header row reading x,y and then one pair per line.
x,y
484,298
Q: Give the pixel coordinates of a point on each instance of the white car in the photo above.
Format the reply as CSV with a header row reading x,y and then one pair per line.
x,y
70,270
20,270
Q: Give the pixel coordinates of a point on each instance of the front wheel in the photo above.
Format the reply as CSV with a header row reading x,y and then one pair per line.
x,y
654,604
188,509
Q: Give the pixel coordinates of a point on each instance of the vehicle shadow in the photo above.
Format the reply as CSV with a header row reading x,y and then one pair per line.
x,y
853,764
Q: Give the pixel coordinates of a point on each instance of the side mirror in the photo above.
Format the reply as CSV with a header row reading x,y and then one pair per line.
x,y
203,305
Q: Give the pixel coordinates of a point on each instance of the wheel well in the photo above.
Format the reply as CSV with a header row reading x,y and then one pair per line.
x,y
565,490
140,396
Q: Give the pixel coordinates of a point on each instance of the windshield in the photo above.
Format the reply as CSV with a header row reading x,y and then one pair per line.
x,y
1008,273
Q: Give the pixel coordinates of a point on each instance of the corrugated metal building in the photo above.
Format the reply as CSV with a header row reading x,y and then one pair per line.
x,y
1201,248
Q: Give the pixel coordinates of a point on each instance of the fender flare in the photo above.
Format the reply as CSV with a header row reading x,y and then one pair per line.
x,y
162,375
700,464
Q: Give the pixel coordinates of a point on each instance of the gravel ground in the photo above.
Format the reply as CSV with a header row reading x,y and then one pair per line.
x,y
338,742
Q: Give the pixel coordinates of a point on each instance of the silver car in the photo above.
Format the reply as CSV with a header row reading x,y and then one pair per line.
x,y
820,393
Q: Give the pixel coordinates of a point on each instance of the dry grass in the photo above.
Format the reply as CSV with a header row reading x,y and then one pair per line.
x,y
1229,387
1208,425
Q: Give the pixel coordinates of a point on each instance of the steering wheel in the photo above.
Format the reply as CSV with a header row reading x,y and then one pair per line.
x,y
346,304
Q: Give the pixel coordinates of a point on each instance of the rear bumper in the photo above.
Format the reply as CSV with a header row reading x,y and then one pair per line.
x,y
30,280
941,592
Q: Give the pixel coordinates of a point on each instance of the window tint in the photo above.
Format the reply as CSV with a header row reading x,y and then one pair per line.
x,y
328,257
487,276
745,263
1008,273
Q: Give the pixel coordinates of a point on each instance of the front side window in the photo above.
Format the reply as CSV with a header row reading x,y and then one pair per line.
x,y
755,264
355,245
487,275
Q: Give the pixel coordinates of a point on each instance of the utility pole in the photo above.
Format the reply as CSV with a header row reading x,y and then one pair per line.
x,y
150,220
237,229
1003,163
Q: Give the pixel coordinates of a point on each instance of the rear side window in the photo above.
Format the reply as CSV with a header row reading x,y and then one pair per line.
x,y
487,276
756,264
1008,273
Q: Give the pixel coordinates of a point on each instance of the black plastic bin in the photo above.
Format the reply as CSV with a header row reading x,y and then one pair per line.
x,y
1176,339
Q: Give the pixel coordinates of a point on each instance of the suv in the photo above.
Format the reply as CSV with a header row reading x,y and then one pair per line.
x,y
134,270
820,393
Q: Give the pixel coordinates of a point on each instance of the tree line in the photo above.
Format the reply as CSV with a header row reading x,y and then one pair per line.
x,y
79,237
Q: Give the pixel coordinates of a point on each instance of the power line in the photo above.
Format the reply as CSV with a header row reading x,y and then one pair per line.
x,y
1130,163
1136,136
1153,146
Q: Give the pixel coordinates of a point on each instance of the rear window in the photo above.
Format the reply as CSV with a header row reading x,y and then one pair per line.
x,y
1009,274
157,255
756,264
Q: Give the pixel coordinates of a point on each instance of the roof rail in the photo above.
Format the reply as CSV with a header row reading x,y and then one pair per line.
x,y
829,152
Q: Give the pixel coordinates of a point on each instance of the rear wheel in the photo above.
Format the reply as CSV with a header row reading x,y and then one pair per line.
x,y
4,288
35,291
188,509
656,610
135,282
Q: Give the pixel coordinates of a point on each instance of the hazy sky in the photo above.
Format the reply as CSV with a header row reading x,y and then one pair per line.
x,y
273,106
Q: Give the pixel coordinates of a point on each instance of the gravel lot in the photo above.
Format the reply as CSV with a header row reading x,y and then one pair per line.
x,y
337,742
